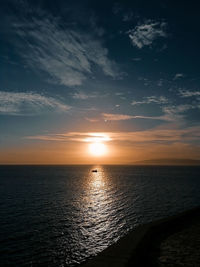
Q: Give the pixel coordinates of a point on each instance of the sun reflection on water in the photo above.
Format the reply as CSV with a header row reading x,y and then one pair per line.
x,y
97,201
99,210
97,187
97,179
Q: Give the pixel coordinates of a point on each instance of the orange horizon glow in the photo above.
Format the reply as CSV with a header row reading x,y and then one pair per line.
x,y
102,148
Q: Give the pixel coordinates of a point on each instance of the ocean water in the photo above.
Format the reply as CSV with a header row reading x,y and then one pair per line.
x,y
62,215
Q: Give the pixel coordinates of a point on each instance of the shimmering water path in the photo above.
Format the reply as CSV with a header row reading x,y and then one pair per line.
x,y
61,215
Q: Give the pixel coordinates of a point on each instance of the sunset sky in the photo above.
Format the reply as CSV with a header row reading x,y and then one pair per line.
x,y
123,74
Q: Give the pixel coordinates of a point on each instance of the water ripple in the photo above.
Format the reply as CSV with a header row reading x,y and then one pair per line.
x,y
59,216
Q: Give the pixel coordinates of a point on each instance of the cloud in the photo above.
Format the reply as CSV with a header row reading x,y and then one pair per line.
x,y
122,117
150,100
178,76
92,119
145,34
68,56
177,112
73,136
187,93
155,135
29,103
171,113
116,117
83,96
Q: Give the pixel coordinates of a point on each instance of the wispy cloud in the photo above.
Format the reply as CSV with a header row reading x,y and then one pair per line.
x,y
92,119
179,76
175,112
122,117
74,136
68,56
158,135
171,113
145,34
116,117
83,96
171,110
187,93
154,135
150,100
29,103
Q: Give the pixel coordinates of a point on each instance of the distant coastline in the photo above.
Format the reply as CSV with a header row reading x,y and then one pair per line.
x,y
169,162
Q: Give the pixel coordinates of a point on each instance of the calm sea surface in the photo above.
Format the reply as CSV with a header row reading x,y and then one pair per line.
x,y
61,215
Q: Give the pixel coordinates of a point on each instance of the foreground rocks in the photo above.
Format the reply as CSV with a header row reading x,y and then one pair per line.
x,y
181,248
173,241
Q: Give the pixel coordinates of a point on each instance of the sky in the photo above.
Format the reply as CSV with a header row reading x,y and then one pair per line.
x,y
121,73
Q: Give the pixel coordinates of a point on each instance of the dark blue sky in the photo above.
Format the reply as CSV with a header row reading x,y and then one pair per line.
x,y
100,66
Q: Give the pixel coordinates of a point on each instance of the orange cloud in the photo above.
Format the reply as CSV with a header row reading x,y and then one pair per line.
x,y
154,135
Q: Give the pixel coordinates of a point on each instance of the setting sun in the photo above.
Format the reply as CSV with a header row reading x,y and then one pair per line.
x,y
97,149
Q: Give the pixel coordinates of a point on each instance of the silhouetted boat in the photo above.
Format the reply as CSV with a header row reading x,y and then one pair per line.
x,y
94,170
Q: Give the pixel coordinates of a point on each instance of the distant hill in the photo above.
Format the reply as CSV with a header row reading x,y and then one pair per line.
x,y
192,162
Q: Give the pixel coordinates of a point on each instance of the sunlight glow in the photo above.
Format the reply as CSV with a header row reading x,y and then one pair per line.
x,y
97,149
97,137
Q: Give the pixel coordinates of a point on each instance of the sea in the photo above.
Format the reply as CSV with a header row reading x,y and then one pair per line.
x,y
64,215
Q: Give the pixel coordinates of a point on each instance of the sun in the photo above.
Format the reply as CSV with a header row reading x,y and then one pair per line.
x,y
97,149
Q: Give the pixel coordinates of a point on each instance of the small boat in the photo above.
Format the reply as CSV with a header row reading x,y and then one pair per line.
x,y
95,170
